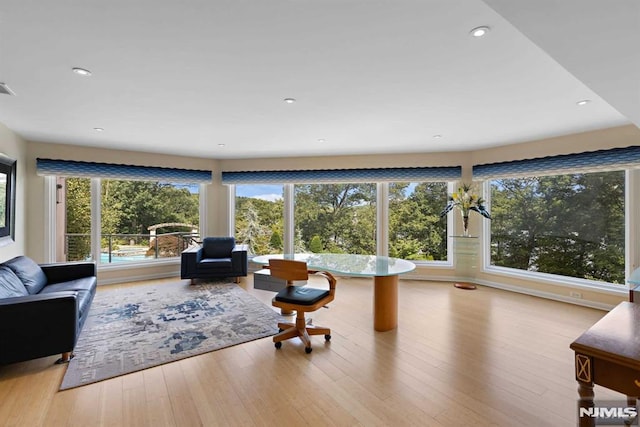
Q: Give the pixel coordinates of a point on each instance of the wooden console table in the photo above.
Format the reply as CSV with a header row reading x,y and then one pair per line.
x,y
608,354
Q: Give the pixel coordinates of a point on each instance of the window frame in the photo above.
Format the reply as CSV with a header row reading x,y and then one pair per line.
x,y
632,242
382,227
50,250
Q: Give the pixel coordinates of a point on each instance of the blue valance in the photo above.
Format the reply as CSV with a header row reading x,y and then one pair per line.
x,y
447,173
71,168
592,161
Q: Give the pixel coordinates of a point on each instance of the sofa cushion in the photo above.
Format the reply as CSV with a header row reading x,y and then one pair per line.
x,y
85,287
10,285
207,264
30,273
217,247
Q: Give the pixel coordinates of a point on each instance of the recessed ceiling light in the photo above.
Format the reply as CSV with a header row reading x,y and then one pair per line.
x,y
221,145
321,140
99,129
289,100
81,71
583,102
437,136
480,31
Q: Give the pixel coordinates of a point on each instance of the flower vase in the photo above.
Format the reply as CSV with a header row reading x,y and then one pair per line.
x,y
465,225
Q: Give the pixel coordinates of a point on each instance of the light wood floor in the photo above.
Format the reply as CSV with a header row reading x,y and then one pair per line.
x,y
458,358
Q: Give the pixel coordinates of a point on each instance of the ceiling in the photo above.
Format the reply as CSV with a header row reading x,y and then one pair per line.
x,y
208,78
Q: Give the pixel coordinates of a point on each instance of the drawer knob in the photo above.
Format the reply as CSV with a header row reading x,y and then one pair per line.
x,y
637,383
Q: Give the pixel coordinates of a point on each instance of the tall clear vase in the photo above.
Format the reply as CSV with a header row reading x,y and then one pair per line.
x,y
465,225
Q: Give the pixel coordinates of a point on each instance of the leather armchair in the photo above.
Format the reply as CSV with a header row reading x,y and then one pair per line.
x,y
217,257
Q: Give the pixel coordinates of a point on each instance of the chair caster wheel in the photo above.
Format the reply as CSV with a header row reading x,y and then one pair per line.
x,y
327,337
307,350
278,344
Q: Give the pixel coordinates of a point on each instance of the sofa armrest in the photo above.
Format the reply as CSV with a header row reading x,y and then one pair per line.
x,y
239,259
189,260
38,325
64,272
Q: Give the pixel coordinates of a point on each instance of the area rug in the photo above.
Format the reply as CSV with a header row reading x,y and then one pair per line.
x,y
130,329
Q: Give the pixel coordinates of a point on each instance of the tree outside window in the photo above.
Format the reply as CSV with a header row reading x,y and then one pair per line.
x,y
416,231
570,225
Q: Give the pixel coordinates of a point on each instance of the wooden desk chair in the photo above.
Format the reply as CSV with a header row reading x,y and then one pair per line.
x,y
301,299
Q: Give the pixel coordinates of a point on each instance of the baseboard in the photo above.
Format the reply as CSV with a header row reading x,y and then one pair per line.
x,y
517,289
138,278
546,295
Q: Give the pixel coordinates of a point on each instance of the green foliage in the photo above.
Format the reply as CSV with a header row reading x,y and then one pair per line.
x,y
276,241
259,224
416,230
342,215
127,207
130,207
78,215
341,218
571,225
315,245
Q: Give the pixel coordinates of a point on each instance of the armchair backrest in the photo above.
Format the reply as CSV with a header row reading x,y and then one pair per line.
x,y
217,247
288,270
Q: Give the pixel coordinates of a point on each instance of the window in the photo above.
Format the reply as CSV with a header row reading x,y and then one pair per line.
x,y
259,217
76,219
336,210
570,225
416,231
337,218
139,220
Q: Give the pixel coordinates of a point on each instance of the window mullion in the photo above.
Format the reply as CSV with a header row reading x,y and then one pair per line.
x,y
96,228
288,220
382,219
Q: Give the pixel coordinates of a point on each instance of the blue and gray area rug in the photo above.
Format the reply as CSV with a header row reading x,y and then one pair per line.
x,y
130,329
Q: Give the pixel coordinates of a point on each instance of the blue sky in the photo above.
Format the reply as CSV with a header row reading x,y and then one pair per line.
x,y
273,192
260,191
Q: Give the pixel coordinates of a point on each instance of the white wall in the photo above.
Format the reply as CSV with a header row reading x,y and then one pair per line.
x,y
15,147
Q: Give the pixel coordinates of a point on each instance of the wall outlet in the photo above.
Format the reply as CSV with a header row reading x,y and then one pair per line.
x,y
574,294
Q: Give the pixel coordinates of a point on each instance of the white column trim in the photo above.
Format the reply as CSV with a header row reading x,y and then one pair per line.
x,y
96,226
288,220
382,219
50,198
632,220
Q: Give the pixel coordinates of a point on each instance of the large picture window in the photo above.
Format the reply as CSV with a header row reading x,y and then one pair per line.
x,y
139,220
570,225
416,231
337,218
259,217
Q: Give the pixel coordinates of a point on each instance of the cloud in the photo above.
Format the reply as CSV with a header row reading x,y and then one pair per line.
x,y
268,197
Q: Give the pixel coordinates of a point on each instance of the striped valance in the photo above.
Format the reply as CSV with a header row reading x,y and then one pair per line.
x,y
449,173
71,168
592,161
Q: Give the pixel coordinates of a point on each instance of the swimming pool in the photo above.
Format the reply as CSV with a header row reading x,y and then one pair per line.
x,y
104,258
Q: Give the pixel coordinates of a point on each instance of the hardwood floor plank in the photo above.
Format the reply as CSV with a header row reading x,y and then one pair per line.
x,y
484,358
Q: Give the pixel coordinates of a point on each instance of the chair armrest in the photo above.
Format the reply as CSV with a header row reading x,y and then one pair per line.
x,y
64,272
38,325
330,278
190,257
239,258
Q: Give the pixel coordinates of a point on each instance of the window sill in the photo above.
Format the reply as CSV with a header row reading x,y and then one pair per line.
x,y
552,279
138,265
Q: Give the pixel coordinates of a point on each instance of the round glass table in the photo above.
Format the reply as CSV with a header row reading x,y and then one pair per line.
x,y
384,270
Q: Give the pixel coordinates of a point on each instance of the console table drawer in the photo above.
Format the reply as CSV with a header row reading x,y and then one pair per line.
x,y
615,377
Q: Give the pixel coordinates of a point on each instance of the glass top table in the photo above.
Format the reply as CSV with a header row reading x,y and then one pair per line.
x,y
384,270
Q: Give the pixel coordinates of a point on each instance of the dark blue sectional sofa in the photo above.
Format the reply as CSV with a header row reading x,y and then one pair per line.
x,y
43,307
